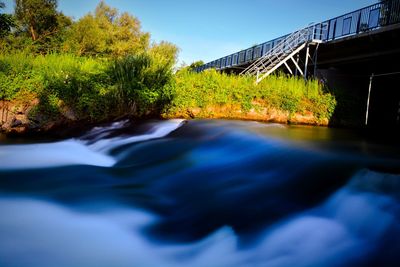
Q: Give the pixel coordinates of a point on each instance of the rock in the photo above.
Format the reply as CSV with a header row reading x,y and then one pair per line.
x,y
15,123
69,113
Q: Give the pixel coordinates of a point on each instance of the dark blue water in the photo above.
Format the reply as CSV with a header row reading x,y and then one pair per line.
x,y
200,193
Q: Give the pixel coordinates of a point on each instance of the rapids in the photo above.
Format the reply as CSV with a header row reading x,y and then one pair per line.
x,y
200,193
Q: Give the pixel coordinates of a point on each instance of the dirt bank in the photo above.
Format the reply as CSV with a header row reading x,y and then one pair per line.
x,y
24,118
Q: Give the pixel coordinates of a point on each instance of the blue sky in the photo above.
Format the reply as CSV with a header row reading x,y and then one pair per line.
x,y
209,29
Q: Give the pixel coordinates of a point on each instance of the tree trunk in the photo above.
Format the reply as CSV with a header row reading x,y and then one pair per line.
x,y
32,30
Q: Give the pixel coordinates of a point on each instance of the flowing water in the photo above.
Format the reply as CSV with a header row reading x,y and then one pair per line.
x,y
200,193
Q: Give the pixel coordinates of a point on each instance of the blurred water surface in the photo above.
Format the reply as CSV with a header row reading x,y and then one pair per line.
x,y
201,193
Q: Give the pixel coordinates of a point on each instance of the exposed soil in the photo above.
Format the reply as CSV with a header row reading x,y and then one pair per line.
x,y
255,114
20,118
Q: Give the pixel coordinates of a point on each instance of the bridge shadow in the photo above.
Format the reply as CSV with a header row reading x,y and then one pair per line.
x,y
350,89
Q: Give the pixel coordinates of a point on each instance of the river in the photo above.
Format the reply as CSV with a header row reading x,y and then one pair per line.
x,y
200,193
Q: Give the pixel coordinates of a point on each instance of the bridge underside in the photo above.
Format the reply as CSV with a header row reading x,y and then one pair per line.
x,y
368,48
348,64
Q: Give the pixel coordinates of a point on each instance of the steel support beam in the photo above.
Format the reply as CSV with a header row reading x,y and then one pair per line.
x,y
297,65
316,60
306,64
368,99
289,69
280,63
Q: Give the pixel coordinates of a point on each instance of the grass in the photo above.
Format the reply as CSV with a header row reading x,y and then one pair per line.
x,y
96,89
211,89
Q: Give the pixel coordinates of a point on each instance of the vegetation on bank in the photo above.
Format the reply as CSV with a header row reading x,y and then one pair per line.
x,y
99,89
210,93
103,67
87,88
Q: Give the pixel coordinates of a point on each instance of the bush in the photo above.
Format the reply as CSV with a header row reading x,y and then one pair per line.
x,y
93,88
141,83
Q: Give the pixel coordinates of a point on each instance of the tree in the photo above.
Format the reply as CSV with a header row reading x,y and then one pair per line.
x,y
6,22
107,32
40,18
127,36
86,37
36,16
165,52
40,28
195,65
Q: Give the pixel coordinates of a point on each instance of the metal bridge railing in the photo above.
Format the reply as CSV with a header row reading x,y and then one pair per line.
x,y
366,19
363,20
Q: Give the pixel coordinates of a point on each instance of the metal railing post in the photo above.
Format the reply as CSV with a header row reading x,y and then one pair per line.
x,y
389,13
306,64
358,23
368,99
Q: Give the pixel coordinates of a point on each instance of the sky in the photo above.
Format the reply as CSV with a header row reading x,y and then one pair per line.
x,y
210,29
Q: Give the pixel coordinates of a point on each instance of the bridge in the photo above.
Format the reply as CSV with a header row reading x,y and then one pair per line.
x,y
346,52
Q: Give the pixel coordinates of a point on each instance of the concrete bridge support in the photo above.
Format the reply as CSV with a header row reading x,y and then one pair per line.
x,y
346,65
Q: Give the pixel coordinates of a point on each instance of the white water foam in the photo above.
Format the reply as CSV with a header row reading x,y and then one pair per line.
x,y
39,233
160,130
343,230
69,152
100,132
76,152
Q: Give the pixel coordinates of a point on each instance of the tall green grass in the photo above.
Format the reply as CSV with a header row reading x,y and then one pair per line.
x,y
98,89
92,89
210,88
59,81
142,83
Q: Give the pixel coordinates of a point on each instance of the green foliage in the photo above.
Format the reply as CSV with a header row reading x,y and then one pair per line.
x,y
86,37
39,28
36,17
129,74
92,88
6,22
210,89
106,32
195,65
58,81
101,67
142,81
16,75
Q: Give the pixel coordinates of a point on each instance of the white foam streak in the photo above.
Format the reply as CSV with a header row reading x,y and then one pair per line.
x,y
160,130
63,153
55,236
76,152
36,233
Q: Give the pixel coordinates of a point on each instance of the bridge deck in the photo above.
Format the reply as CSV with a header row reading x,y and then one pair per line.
x,y
371,20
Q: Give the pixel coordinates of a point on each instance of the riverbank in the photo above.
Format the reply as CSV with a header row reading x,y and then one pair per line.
x,y
62,83
50,93
17,120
